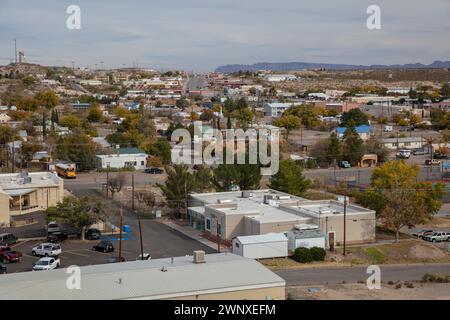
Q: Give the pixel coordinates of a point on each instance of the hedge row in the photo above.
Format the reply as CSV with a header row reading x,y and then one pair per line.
x,y
305,255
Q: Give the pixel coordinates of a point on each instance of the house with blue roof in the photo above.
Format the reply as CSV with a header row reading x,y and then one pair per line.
x,y
364,131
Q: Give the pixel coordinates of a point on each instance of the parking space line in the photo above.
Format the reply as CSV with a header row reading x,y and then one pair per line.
x,y
77,254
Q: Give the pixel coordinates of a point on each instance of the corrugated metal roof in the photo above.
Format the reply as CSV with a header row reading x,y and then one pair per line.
x,y
262,238
221,273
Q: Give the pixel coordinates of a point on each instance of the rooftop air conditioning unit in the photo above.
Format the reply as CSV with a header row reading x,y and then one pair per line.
x,y
267,198
26,180
284,197
199,256
221,201
246,194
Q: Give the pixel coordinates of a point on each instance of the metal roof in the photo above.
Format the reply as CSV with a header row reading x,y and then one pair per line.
x,y
18,192
263,238
222,272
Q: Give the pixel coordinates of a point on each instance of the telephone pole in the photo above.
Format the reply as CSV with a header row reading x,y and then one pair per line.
x,y
132,192
345,223
120,239
107,183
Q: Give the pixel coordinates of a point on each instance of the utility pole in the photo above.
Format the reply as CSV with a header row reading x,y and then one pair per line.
x,y
120,239
345,222
13,156
132,191
218,235
186,200
140,235
107,182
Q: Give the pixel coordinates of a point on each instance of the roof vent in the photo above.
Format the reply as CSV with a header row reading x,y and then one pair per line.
x,y
164,269
199,256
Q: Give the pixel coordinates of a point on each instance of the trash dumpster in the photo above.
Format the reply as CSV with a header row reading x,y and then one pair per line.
x,y
126,228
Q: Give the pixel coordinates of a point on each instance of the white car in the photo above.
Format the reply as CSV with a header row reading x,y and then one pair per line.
x,y
47,263
47,249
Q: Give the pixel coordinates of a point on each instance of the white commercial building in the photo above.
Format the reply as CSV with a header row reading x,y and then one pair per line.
x,y
126,157
276,109
270,245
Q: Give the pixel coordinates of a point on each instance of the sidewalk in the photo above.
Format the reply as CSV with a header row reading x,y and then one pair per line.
x,y
193,234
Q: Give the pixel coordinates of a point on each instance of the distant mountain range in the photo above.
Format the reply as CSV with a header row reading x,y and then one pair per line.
x,y
290,66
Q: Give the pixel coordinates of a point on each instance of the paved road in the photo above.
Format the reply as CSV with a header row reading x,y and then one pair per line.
x,y
297,277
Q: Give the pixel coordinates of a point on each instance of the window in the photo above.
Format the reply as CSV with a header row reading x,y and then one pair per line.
x,y
142,163
208,224
237,244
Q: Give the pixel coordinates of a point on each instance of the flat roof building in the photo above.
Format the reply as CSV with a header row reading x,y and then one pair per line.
x,y
223,276
28,192
236,213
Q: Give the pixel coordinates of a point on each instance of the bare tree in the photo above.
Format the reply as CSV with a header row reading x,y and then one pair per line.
x,y
146,198
116,183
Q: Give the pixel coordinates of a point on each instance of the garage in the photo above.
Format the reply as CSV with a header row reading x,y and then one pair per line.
x,y
271,245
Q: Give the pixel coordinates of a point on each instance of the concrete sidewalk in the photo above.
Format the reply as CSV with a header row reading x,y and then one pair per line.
x,y
193,234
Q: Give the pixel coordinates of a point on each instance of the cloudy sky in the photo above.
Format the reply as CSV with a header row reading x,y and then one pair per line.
x,y
203,34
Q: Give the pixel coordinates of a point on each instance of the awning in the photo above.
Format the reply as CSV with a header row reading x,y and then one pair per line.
x,y
18,192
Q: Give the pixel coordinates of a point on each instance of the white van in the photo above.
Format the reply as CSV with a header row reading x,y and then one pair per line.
x,y
387,128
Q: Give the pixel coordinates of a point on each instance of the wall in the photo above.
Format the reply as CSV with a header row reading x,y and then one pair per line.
x,y
265,250
275,293
4,210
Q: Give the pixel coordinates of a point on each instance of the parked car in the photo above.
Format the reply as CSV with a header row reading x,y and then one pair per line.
x,y
438,155
387,128
53,227
92,234
104,246
345,164
7,255
56,237
438,236
419,152
47,263
420,233
115,259
3,269
433,162
7,239
47,249
403,154
154,170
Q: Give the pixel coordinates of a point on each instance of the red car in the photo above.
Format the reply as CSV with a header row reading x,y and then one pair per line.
x,y
7,255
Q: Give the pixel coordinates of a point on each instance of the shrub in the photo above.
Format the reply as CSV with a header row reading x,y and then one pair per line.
x,y
303,255
318,254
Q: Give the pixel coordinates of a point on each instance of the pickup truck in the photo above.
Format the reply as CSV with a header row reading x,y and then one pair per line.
x,y
47,249
438,236
47,263
421,233
7,255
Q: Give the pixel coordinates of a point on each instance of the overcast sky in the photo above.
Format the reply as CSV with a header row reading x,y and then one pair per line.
x,y
203,34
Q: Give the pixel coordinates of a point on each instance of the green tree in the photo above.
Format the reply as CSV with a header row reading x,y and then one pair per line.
x,y
78,212
354,118
27,151
79,148
70,121
179,184
353,147
334,151
288,122
203,179
160,148
245,176
94,114
290,179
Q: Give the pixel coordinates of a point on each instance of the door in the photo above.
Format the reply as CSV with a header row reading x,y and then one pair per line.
x,y
331,240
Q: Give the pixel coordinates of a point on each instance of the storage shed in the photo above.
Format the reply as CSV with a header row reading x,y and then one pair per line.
x,y
306,238
269,245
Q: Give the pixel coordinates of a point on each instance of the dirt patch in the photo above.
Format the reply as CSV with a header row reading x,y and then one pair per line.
x,y
427,252
411,291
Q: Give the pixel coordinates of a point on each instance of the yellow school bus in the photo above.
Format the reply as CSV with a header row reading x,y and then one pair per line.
x,y
66,171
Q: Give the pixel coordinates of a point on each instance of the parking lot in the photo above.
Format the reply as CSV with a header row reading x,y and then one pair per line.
x,y
159,241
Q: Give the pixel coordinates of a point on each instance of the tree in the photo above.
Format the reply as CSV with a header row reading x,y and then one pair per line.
x,y
375,147
94,114
203,179
243,116
288,122
146,198
78,212
399,199
116,183
445,91
207,115
160,148
353,147
70,121
27,151
245,176
179,184
334,151
47,99
290,179
79,148
182,103
354,118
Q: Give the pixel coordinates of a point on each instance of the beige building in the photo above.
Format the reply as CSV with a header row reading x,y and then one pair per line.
x,y
222,276
22,193
235,213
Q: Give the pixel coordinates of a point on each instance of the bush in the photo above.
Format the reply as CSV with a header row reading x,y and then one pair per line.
x,y
318,254
303,255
